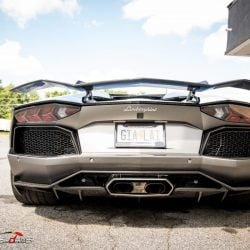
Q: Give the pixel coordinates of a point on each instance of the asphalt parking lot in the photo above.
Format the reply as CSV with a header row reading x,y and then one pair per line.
x,y
121,224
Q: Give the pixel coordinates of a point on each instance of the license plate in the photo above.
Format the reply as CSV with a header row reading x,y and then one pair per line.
x,y
149,136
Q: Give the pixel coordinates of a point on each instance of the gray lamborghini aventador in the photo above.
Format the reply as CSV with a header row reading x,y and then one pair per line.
x,y
132,138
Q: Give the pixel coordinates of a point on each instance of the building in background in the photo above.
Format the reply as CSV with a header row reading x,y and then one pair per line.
x,y
238,40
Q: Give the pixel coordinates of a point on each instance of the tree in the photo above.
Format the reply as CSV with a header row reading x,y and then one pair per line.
x,y
116,91
57,93
9,99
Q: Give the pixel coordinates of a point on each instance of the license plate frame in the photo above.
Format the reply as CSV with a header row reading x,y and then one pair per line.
x,y
135,144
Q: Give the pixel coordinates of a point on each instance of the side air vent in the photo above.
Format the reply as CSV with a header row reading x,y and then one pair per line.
x,y
44,141
227,143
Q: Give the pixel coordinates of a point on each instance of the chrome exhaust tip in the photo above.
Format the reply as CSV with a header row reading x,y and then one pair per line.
x,y
122,187
155,188
139,187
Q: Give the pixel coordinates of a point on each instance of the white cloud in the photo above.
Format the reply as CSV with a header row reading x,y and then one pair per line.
x,y
92,23
215,44
95,23
177,17
14,66
24,11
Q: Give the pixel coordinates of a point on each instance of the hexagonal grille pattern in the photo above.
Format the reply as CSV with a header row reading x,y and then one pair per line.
x,y
44,141
228,143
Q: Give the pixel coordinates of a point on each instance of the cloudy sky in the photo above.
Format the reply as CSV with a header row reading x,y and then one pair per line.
x,y
70,40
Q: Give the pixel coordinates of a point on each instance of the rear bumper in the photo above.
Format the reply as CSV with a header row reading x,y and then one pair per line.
x,y
47,172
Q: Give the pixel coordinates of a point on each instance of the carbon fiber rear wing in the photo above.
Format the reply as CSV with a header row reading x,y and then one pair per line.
x,y
240,84
41,84
138,82
192,87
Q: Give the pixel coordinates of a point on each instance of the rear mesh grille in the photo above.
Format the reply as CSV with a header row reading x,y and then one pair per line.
x,y
228,143
44,141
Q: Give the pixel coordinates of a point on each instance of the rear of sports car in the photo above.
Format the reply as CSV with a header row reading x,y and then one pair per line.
x,y
129,147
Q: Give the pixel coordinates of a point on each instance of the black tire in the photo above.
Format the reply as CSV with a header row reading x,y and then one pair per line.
x,y
34,197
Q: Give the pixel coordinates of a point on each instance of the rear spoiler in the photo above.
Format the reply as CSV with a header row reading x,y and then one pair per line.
x,y
41,84
138,82
240,84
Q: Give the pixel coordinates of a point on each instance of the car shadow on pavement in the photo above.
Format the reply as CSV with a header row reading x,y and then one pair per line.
x,y
149,213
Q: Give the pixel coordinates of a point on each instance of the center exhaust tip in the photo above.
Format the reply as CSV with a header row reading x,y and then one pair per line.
x,y
142,187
